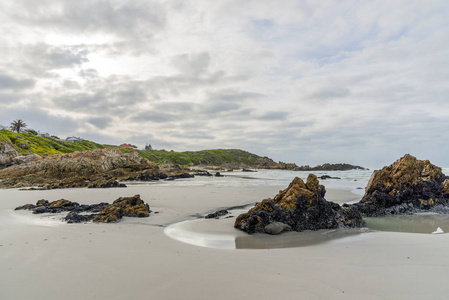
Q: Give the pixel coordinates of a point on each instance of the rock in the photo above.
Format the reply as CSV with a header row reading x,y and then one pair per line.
x,y
106,183
217,214
328,177
179,176
110,214
74,217
205,173
329,167
276,228
79,169
42,202
26,207
123,206
218,174
301,206
407,186
43,206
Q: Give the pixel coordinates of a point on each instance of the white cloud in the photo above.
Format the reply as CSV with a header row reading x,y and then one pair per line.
x,y
302,81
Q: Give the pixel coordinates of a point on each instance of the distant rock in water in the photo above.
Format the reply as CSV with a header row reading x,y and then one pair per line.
x,y
329,167
299,207
408,185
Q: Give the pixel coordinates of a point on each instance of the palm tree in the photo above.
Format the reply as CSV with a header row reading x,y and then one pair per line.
x,y
18,125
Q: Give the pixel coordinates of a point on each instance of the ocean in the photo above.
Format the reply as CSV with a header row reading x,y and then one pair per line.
x,y
353,180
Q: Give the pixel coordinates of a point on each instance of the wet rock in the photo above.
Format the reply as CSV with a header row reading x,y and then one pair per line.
x,y
301,206
218,174
217,214
407,186
277,228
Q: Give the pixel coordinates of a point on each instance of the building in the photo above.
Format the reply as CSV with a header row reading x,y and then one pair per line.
x,y
126,146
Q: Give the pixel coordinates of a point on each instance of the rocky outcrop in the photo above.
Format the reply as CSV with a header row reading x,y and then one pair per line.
x,y
407,186
101,213
123,207
79,169
7,154
299,207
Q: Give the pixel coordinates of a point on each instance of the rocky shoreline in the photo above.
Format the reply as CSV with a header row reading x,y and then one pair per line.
x,y
407,186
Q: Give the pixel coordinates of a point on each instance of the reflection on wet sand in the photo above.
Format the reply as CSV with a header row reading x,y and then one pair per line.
x,y
417,223
293,239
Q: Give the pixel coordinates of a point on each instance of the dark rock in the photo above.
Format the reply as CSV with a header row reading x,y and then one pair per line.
x,y
329,167
203,174
248,170
328,177
107,183
180,176
74,217
302,207
407,186
218,174
217,214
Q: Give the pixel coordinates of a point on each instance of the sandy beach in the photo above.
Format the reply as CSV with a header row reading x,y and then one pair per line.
x,y
44,258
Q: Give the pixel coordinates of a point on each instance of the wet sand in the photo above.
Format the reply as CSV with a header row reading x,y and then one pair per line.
x,y
43,258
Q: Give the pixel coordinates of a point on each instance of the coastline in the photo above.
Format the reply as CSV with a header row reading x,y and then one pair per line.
x,y
43,258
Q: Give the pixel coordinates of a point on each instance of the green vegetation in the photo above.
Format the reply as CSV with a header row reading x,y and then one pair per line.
x,y
27,142
205,157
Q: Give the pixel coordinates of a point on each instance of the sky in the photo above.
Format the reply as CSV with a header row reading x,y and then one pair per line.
x,y
309,82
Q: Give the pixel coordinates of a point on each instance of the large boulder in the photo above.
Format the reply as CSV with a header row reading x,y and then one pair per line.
x,y
299,207
408,185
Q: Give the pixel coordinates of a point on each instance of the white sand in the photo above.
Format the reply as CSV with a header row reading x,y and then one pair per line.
x,y
43,258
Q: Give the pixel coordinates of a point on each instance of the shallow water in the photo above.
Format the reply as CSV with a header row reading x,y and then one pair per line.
x,y
417,223
203,232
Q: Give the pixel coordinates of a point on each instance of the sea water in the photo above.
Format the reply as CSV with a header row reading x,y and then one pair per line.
x,y
354,180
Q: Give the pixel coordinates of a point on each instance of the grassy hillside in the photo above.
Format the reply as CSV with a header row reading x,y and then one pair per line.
x,y
26,143
206,157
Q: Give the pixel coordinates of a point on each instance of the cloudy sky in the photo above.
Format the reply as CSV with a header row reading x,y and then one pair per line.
x,y
309,82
